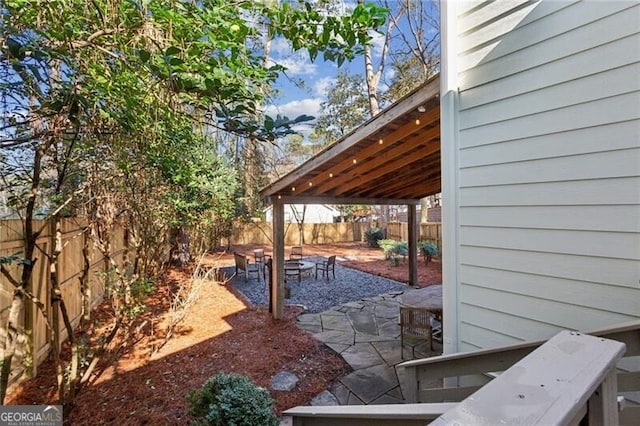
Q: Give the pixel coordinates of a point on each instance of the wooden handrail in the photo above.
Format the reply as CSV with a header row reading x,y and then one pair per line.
x,y
570,377
553,385
383,415
484,361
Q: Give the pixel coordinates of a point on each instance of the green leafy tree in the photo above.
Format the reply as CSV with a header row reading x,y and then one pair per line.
x,y
346,108
417,56
108,108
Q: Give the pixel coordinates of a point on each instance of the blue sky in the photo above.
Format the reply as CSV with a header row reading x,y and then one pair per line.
x,y
317,76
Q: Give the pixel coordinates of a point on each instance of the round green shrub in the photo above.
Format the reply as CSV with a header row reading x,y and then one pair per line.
x,y
372,236
232,400
429,250
394,250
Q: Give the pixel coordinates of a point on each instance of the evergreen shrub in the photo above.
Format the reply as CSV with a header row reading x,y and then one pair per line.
x,y
372,236
232,400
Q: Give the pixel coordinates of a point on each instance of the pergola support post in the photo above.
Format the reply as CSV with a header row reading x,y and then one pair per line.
x,y
414,234
277,283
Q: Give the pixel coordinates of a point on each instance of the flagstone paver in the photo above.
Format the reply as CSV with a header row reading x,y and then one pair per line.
x,y
372,382
389,351
336,336
362,355
366,334
338,347
363,322
336,322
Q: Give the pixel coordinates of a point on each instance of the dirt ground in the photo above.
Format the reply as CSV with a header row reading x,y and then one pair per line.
x,y
221,332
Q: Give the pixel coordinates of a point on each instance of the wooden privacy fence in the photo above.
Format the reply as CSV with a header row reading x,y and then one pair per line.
x,y
70,266
328,233
429,231
314,233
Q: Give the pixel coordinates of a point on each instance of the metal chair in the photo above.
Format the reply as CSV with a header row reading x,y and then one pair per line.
x,y
296,253
325,266
243,264
260,259
415,328
292,269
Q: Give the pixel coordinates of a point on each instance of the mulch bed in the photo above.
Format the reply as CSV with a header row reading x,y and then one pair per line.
x,y
221,333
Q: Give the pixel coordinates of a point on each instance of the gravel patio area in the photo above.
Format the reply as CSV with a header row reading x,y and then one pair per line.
x,y
315,296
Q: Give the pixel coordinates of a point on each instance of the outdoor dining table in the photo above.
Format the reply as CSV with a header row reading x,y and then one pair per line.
x,y
429,298
303,267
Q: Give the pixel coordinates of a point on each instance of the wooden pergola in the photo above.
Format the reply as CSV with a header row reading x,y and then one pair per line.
x,y
392,159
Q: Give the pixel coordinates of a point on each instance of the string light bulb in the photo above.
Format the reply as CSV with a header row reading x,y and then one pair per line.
x,y
417,121
380,141
355,161
310,183
330,175
293,189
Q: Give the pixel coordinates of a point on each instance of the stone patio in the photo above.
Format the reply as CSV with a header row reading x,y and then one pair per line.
x,y
367,335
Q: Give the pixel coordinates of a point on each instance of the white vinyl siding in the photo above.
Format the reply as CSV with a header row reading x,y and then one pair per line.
x,y
548,183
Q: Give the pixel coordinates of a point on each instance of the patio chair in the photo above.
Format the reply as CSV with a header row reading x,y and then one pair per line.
x,y
292,269
296,253
243,264
325,266
415,328
261,259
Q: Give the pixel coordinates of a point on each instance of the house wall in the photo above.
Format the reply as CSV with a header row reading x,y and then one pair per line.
x,y
541,168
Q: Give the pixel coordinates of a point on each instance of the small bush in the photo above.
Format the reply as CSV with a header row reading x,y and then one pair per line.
x,y
232,400
372,236
394,250
428,250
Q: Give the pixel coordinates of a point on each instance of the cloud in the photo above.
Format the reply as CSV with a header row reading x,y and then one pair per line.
x,y
377,42
321,86
349,6
308,106
280,47
296,64
389,74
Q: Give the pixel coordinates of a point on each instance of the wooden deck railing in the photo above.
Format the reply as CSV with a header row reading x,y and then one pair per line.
x,y
367,415
425,403
569,379
485,363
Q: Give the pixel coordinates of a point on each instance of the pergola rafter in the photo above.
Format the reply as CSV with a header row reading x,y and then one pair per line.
x,y
394,158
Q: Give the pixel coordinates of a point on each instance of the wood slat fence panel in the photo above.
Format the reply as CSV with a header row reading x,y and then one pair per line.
x,y
71,263
329,233
429,231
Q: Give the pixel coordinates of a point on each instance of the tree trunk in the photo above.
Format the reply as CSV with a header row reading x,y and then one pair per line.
x,y
56,295
249,174
66,386
371,76
85,287
180,252
12,332
372,82
13,327
424,207
384,219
